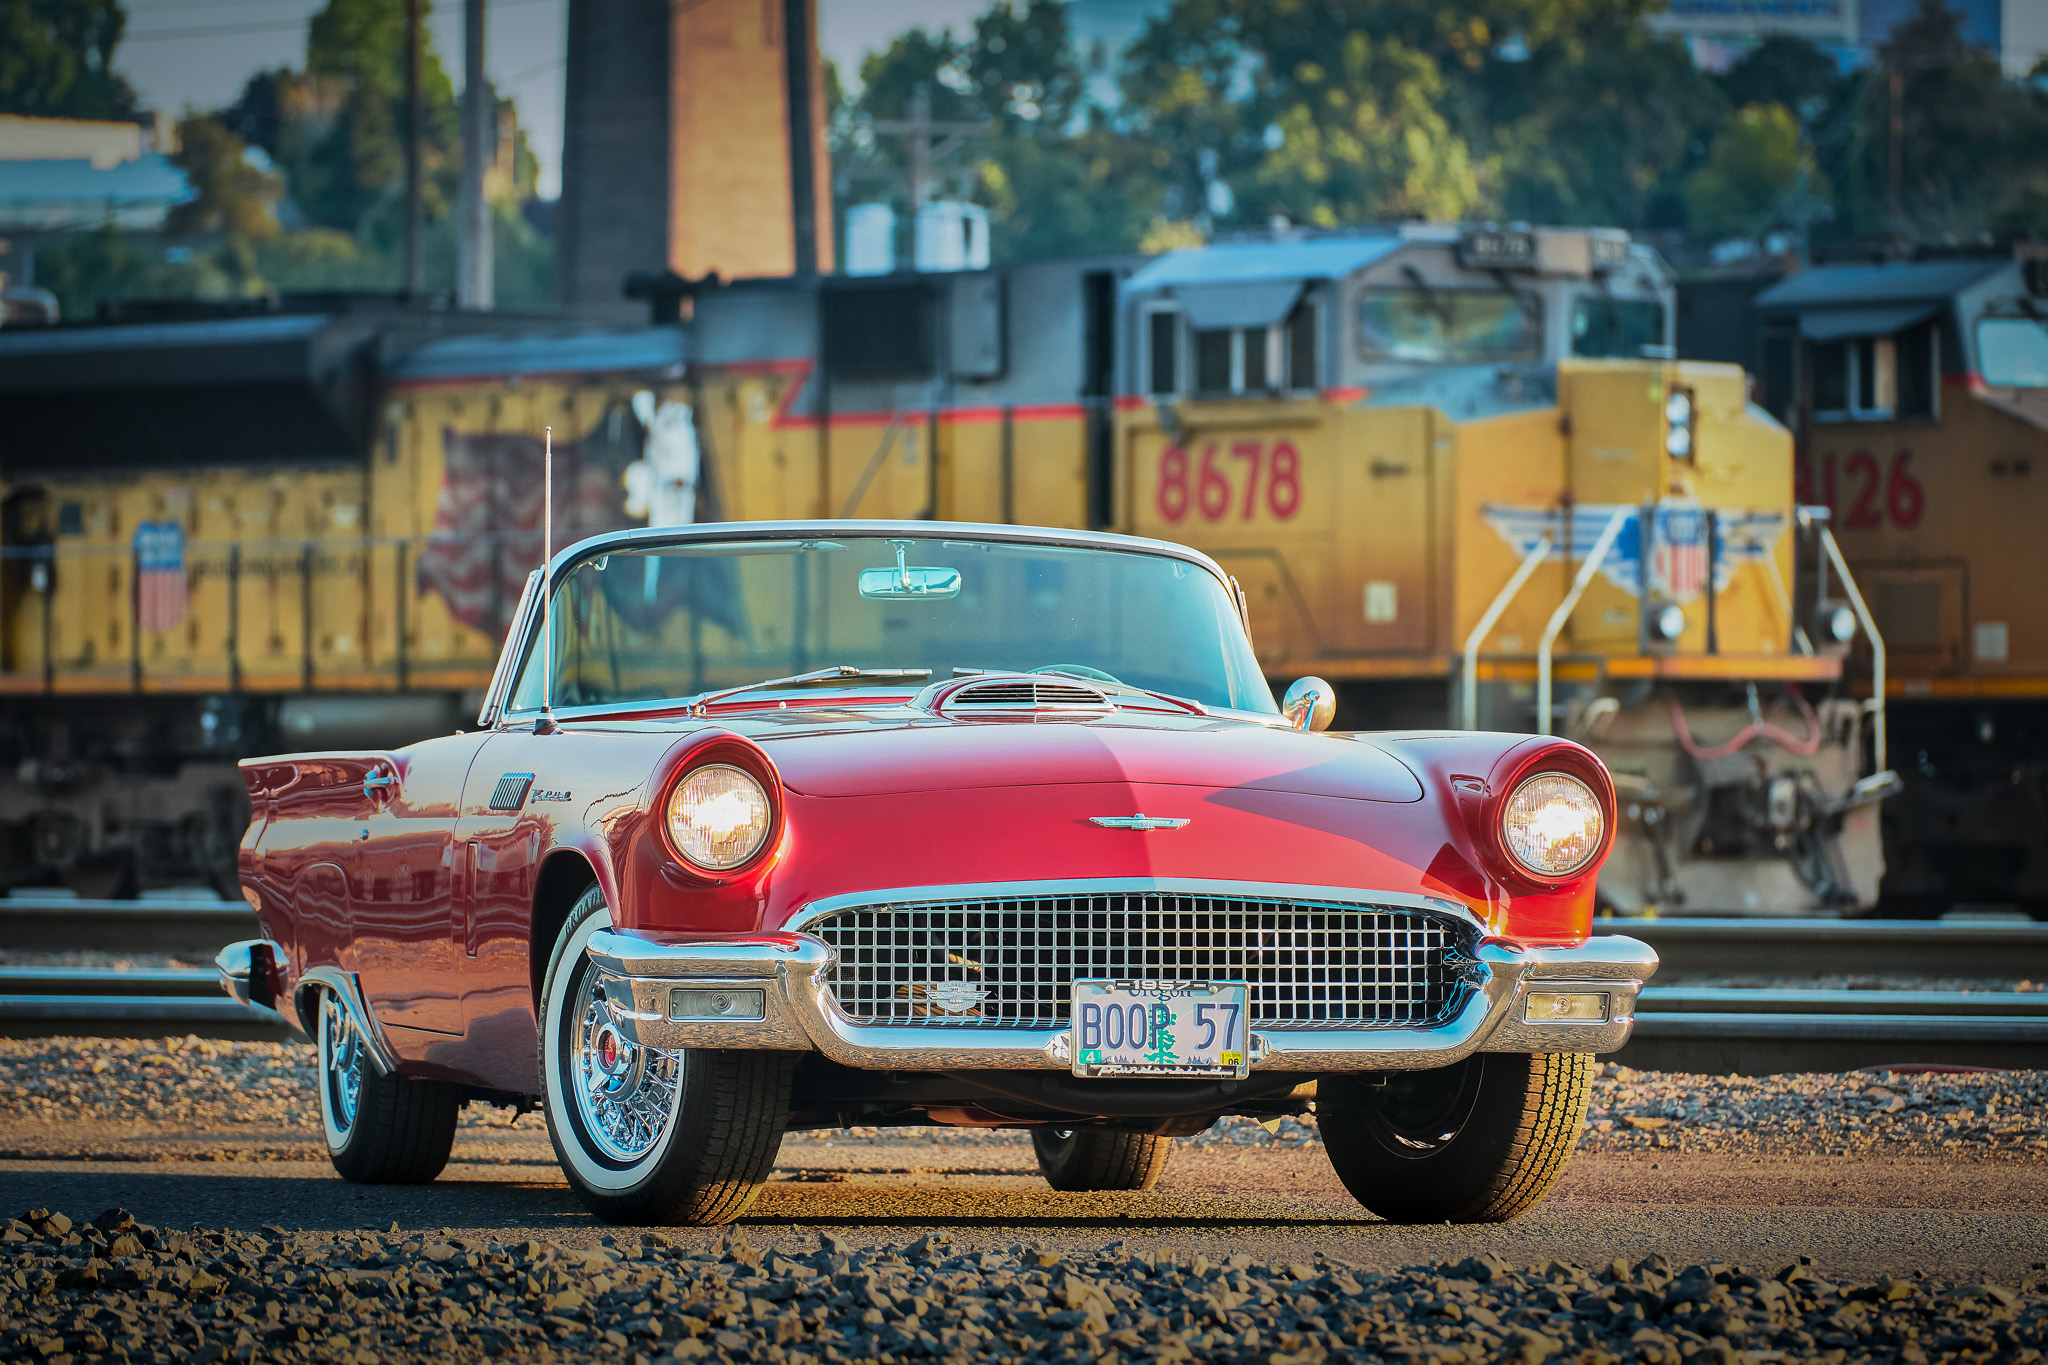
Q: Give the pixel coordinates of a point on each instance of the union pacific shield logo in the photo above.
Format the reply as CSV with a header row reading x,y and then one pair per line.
x,y
1678,553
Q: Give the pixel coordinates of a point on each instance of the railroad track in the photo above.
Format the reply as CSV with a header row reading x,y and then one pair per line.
x,y
1679,1026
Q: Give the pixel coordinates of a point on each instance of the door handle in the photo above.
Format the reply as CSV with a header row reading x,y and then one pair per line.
x,y
376,780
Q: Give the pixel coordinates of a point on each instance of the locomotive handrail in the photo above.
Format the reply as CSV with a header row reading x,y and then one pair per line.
x,y
1469,700
1875,706
1608,536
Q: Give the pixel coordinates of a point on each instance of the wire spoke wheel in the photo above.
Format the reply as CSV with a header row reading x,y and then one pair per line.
x,y
625,1093
341,1064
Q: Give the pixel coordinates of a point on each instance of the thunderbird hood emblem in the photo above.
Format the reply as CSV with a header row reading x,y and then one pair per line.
x,y
1139,821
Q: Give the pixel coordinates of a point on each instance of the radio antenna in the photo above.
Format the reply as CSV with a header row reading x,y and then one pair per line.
x,y
547,598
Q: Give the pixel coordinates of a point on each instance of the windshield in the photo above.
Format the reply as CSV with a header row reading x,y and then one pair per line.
x,y
1609,329
2013,352
1449,326
674,621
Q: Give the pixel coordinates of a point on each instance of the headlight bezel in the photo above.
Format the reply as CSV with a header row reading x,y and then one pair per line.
x,y
730,751
1585,860
1534,758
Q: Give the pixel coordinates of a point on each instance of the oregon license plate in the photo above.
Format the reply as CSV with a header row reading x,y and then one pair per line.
x,y
1159,1028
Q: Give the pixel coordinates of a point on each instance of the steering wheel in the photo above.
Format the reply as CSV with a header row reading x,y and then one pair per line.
x,y
1079,671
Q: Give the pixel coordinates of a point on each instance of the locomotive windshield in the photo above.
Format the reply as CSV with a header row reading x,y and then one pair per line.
x,y
674,621
1450,326
2014,352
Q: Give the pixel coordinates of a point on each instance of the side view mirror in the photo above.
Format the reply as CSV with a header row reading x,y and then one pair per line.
x,y
1310,704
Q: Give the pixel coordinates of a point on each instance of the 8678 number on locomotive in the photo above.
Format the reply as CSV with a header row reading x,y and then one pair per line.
x,y
1228,480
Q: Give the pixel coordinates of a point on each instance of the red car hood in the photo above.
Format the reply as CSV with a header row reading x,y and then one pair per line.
x,y
894,757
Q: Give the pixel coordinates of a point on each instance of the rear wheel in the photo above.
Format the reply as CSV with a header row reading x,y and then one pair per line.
x,y
650,1135
381,1130
1478,1142
1100,1158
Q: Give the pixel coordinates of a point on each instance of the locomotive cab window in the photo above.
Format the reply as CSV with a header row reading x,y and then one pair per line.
x,y
2013,352
1162,345
1860,379
1615,329
1258,360
1450,326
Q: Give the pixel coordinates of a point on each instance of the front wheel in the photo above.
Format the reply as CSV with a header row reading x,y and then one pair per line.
x,y
381,1130
1477,1142
650,1135
1100,1159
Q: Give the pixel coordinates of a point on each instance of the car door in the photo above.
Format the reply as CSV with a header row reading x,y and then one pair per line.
x,y
403,886
499,840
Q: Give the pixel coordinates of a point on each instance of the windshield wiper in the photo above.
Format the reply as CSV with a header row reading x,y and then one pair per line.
x,y
834,673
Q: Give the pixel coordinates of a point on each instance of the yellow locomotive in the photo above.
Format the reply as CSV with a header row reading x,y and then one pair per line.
x,y
1455,470
1918,392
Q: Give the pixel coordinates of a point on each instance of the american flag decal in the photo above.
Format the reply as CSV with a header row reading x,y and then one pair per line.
x,y
159,575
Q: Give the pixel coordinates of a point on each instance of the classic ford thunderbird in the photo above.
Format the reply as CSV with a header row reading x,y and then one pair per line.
x,y
782,826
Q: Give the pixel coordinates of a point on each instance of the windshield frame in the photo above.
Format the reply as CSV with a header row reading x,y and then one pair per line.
x,y
497,710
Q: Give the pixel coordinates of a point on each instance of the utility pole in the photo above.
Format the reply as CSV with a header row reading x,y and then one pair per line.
x,y
803,182
917,133
1895,161
479,129
415,267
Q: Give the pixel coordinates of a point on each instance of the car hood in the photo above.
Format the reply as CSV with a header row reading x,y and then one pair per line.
x,y
880,757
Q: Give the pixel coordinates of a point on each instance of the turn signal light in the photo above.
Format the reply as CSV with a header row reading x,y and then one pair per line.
x,y
1565,1007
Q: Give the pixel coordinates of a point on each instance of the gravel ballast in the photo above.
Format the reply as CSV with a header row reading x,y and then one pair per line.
x,y
114,1290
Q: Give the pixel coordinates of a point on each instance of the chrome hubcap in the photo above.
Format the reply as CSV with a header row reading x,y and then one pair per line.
x,y
344,1063
625,1094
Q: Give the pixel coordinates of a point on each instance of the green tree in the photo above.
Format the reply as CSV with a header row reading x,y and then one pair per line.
x,y
343,122
57,59
1565,111
1747,184
232,195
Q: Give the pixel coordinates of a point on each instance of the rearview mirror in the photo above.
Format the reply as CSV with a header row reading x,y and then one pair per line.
x,y
909,581
1311,704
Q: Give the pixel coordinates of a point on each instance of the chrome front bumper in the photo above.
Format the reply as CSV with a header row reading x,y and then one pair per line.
x,y
772,991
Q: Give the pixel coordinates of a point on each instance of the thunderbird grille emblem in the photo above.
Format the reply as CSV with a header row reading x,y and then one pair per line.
x,y
954,997
1139,821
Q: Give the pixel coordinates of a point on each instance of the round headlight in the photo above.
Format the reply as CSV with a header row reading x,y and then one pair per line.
x,y
1678,409
718,816
1678,442
1552,824
1670,621
1842,625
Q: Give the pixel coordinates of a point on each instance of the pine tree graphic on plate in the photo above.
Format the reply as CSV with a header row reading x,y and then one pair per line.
x,y
1162,1035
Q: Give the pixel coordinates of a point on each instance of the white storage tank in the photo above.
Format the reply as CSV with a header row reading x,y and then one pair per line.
x,y
870,239
952,236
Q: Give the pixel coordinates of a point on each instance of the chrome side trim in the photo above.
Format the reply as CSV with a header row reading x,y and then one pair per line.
x,y
1133,886
349,990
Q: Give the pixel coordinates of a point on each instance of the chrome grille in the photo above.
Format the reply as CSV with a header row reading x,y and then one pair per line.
x,y
1011,963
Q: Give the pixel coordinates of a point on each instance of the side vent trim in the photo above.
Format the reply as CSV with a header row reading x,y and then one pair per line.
x,y
510,793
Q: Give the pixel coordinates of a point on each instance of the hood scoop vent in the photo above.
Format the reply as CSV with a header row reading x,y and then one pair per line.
x,y
1014,696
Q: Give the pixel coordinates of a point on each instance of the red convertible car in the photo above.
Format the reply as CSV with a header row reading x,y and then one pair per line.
x,y
808,825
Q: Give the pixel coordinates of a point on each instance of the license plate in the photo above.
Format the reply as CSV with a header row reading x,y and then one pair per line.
x,y
1159,1028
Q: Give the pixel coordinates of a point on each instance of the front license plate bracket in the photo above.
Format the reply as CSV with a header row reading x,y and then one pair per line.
x,y
1159,1027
